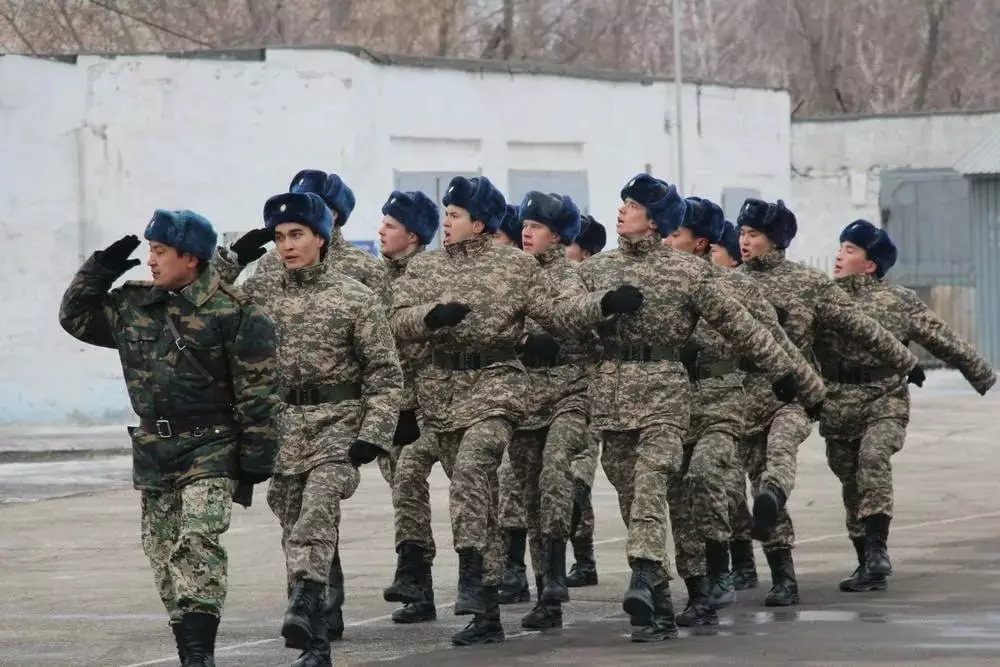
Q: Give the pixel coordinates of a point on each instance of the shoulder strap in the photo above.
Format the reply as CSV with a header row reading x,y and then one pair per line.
x,y
178,341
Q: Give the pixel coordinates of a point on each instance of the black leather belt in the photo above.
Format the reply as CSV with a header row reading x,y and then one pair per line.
x,y
471,361
640,352
170,428
345,391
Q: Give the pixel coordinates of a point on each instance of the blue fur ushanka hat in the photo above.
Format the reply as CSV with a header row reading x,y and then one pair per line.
x,y
774,220
663,205
330,187
415,211
511,226
185,231
479,197
729,238
876,243
592,236
557,212
706,219
304,208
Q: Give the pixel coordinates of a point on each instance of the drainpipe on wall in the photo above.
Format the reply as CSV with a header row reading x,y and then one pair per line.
x,y
678,96
82,221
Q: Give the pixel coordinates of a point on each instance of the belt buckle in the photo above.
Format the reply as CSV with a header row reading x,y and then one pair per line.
x,y
163,428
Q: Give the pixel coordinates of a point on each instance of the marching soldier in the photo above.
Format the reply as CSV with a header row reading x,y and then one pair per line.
x,y
199,361
590,241
699,494
341,381
639,396
867,410
410,222
807,301
743,572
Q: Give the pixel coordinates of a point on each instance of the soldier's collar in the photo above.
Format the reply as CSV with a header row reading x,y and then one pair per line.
x,y
404,259
766,261
337,239
470,246
305,275
643,246
551,254
857,282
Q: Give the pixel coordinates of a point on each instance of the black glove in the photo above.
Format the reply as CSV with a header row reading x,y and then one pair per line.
x,y
815,411
243,495
250,246
785,388
540,350
622,300
446,315
917,376
362,452
407,429
116,256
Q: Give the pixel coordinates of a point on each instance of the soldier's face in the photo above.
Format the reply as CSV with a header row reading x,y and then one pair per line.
x,y
393,237
458,225
684,240
720,256
298,245
753,243
633,220
537,238
576,253
170,270
852,260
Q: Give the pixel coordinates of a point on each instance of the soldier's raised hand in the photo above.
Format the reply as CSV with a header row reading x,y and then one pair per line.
x,y
446,315
250,246
622,300
116,256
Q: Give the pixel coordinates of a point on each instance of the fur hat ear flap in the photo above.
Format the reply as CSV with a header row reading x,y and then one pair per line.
x,y
592,237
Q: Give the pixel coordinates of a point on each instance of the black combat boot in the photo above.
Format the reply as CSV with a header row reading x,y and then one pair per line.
x,y
766,508
469,600
861,580
334,609
198,637
425,609
698,610
639,602
784,587
877,537
317,653
555,591
305,600
485,627
661,625
584,570
177,628
721,591
514,583
744,573
544,615
406,585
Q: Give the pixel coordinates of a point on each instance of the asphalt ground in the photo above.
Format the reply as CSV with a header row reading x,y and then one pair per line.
x,y
75,588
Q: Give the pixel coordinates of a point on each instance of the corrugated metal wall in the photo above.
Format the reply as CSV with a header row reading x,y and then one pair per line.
x,y
986,244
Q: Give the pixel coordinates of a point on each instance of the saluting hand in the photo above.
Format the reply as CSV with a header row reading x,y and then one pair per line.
x,y
116,256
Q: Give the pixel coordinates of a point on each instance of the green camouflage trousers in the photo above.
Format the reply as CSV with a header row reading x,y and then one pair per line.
x,y
542,460
512,512
471,458
411,492
387,465
864,469
739,508
308,508
770,457
638,464
584,470
180,536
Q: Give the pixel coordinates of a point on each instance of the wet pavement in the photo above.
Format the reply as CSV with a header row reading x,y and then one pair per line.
x,y
75,589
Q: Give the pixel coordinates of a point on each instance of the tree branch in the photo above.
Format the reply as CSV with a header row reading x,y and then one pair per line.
x,y
150,24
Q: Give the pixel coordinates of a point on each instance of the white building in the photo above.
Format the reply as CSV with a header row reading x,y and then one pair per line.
x,y
91,145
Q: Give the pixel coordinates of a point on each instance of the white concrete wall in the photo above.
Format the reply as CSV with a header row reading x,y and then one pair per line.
x,y
88,150
836,165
